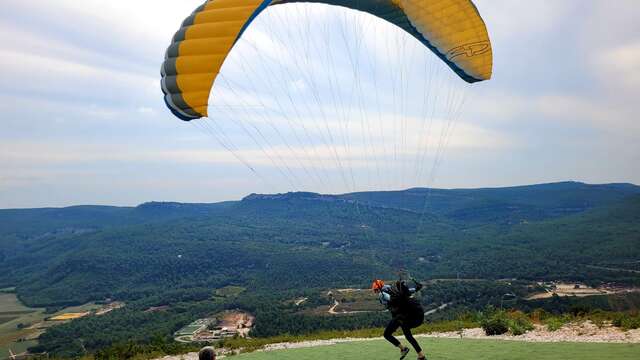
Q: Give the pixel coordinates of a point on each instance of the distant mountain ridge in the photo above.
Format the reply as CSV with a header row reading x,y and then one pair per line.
x,y
516,203
293,196
76,254
501,204
597,194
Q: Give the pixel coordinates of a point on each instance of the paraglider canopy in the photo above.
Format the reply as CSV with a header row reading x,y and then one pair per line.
x,y
452,29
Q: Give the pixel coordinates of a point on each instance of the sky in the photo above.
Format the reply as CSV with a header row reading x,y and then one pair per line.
x,y
84,122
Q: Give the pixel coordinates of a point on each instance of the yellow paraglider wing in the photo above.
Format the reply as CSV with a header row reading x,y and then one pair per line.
x,y
199,48
452,29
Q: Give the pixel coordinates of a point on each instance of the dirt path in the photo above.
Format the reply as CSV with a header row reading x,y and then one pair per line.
x,y
433,311
300,301
332,310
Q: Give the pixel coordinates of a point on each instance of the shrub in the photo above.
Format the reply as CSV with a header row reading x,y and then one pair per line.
x,y
495,323
599,317
579,310
519,323
518,329
617,320
495,326
555,323
538,315
599,322
626,321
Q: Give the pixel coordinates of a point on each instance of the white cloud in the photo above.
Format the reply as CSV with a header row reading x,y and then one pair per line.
x,y
145,110
111,25
80,100
620,67
50,74
518,19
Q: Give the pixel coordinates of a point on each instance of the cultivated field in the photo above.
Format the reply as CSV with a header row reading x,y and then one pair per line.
x,y
21,325
565,289
12,313
17,348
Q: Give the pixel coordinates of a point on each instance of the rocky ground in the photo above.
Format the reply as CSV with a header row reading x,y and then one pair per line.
x,y
577,332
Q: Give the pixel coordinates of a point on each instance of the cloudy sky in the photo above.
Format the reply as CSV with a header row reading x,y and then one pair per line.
x,y
83,121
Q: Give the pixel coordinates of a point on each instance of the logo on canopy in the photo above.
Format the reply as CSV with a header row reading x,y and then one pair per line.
x,y
469,50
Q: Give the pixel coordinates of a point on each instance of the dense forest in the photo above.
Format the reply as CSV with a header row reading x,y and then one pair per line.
x,y
58,257
287,245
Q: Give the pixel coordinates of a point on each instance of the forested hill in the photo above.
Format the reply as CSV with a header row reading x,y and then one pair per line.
x,y
565,230
48,220
531,202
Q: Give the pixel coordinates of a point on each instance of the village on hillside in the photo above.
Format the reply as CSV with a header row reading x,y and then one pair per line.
x,y
577,289
224,325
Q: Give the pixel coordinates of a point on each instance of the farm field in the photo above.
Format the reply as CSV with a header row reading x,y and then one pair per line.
x,y
565,289
16,348
454,349
12,313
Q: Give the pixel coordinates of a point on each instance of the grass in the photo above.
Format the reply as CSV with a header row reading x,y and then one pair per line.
x,y
455,349
9,303
258,343
229,291
78,309
6,319
13,312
